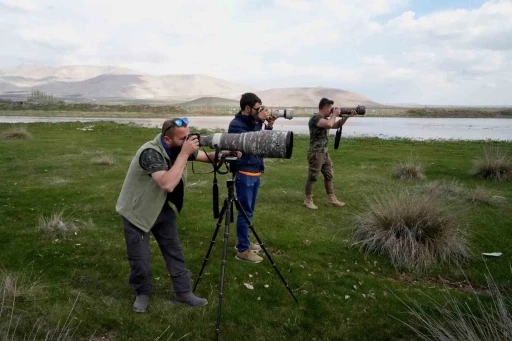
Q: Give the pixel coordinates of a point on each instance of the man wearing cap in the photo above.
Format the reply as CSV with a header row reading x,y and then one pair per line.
x,y
156,177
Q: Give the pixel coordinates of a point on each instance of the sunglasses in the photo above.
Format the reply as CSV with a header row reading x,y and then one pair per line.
x,y
177,122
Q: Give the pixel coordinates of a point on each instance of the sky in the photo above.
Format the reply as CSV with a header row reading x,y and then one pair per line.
x,y
453,52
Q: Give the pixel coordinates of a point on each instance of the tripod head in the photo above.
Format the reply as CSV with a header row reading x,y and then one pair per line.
x,y
231,165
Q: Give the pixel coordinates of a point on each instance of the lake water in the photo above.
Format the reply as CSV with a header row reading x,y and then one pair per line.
x,y
382,127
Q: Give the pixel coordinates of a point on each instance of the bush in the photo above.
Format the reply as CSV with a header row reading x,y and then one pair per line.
x,y
408,169
494,165
15,133
413,230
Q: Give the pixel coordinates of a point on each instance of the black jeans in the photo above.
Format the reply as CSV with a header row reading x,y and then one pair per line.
x,y
165,232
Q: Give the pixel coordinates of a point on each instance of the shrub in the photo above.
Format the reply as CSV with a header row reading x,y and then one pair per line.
x,y
494,165
408,169
413,230
15,133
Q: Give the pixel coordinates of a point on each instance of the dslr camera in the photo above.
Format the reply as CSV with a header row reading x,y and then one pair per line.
x,y
194,134
360,110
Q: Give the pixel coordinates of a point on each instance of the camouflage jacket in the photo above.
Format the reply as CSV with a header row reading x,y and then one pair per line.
x,y
318,137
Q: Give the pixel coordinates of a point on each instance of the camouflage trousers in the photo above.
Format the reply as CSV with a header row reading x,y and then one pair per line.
x,y
319,162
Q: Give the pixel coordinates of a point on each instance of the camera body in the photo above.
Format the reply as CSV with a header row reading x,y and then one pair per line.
x,y
198,135
360,110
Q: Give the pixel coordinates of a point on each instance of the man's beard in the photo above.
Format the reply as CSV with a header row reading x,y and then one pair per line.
x,y
175,150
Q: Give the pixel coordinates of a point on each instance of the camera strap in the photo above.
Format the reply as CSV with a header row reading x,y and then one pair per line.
x,y
337,138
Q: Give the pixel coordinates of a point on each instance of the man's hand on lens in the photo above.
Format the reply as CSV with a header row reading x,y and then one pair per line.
x,y
336,112
263,114
271,120
190,145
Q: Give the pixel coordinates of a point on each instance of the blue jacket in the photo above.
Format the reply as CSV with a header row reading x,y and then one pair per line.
x,y
243,124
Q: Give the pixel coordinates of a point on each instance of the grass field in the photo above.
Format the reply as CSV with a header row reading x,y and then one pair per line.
x,y
77,281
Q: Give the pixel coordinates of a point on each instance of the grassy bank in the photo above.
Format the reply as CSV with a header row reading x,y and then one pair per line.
x,y
73,176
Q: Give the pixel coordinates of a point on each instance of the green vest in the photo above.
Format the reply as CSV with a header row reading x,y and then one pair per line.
x,y
141,199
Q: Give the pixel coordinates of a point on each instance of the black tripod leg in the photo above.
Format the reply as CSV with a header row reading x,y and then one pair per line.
x,y
227,221
206,258
240,209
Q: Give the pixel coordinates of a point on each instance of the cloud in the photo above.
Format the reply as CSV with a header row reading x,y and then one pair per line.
x,y
59,37
18,5
486,27
386,49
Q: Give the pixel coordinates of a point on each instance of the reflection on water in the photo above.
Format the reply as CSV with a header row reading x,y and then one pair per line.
x,y
382,127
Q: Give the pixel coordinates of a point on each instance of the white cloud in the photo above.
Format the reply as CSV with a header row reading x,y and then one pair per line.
x,y
63,37
488,26
20,5
386,49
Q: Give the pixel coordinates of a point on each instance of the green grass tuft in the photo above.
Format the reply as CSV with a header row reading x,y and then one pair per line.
x,y
494,165
15,133
409,169
415,231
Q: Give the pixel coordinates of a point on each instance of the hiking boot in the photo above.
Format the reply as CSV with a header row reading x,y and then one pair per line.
x,y
248,256
190,299
253,246
308,202
141,303
331,200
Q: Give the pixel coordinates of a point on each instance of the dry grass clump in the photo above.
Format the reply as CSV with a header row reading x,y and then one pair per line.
x,y
453,321
15,133
481,195
409,168
57,226
103,160
17,287
412,229
494,165
453,190
450,189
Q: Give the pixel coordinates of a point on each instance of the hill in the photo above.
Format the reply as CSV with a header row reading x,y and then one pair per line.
x,y
211,101
309,97
113,84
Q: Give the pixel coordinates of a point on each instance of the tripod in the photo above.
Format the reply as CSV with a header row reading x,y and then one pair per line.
x,y
226,213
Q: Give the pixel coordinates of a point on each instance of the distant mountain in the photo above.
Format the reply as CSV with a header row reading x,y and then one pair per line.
x,y
309,97
117,84
211,101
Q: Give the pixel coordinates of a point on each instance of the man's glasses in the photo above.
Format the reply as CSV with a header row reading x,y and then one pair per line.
x,y
177,122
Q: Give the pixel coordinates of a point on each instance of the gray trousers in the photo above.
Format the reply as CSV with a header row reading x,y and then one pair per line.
x,y
165,232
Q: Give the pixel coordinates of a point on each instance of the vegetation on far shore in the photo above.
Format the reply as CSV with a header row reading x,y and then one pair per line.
x,y
60,108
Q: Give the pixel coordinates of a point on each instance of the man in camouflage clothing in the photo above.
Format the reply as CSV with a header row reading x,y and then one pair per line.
x,y
318,154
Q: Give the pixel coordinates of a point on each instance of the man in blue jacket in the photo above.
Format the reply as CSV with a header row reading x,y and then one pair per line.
x,y
251,117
